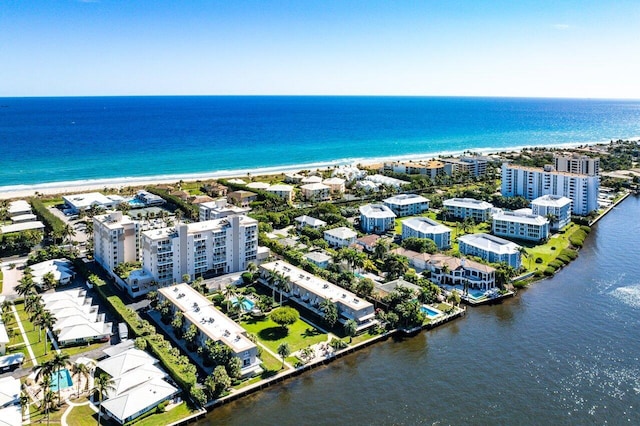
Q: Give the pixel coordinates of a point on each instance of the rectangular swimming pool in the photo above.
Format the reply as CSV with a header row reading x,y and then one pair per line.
x,y
246,303
476,294
61,380
431,313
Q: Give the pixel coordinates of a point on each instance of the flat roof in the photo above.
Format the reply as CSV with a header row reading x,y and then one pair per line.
x,y
317,285
88,199
315,187
23,226
114,220
318,256
521,217
552,201
467,203
379,211
342,232
406,199
18,206
552,172
425,225
201,312
490,243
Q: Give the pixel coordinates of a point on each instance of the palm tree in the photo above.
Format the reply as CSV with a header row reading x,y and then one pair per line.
x,y
381,249
523,252
284,351
284,286
102,384
48,321
59,361
48,397
32,302
68,232
229,293
37,318
26,285
81,370
44,371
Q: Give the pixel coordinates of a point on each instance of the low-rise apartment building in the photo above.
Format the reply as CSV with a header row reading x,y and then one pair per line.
x,y
520,225
423,227
461,208
490,248
340,237
376,218
555,208
407,204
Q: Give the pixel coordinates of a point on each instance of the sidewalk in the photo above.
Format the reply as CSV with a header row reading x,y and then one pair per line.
x,y
24,336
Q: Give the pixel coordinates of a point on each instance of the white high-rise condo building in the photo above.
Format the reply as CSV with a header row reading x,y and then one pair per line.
x,y
532,183
215,247
116,239
577,164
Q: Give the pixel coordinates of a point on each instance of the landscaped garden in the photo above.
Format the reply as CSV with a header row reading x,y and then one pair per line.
x,y
298,335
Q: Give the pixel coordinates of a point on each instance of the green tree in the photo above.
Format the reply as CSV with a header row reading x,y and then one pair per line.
x,y
365,287
48,397
190,336
217,382
284,316
350,329
102,384
284,351
59,361
329,312
234,367
81,371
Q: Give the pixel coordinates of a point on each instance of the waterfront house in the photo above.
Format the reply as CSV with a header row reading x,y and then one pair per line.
x,y
212,324
407,204
490,248
376,218
340,237
423,227
461,208
76,203
310,291
522,225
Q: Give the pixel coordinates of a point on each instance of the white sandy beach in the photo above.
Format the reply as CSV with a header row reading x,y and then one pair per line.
x,y
55,188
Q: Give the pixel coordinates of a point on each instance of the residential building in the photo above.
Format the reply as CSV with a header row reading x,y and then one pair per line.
x,y
311,179
77,320
81,202
348,172
386,180
310,291
384,289
242,198
138,385
315,191
213,247
309,221
212,324
490,248
60,269
283,191
461,208
336,184
555,208
261,186
577,164
376,218
368,242
293,178
430,168
452,270
423,227
318,258
22,226
407,204
520,225
340,237
116,239
219,209
18,208
10,406
473,166
149,199
215,189
532,183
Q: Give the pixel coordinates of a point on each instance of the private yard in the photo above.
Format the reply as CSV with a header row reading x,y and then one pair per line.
x,y
548,251
299,335
36,337
82,415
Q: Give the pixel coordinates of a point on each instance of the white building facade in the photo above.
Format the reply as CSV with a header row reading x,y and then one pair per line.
x,y
461,208
490,248
340,237
407,204
216,247
116,239
521,226
577,164
532,183
555,207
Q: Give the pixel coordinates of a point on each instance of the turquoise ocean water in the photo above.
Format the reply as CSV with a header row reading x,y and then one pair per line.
x,y
55,140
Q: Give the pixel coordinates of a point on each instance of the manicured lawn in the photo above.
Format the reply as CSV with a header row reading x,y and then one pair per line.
x,y
361,338
173,415
269,362
299,335
398,228
38,416
74,350
548,251
32,334
82,415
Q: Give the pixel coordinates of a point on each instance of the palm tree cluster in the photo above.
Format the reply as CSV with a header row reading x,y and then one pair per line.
x,y
44,375
34,306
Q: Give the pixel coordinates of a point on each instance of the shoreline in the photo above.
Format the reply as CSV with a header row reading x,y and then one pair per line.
x,y
76,186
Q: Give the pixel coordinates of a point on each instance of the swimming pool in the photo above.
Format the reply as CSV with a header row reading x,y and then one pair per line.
x,y
246,303
476,294
61,380
431,313
134,202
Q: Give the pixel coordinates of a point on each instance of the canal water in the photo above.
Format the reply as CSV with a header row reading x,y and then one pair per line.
x,y
562,352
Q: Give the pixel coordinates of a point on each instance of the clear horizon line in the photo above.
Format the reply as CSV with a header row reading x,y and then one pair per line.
x,y
274,95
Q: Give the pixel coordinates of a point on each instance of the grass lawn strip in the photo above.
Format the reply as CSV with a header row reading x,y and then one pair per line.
x,y
32,335
550,250
299,336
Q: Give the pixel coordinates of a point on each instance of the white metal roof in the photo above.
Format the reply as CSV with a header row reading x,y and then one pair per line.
x,y
406,199
342,233
379,211
22,226
521,217
139,398
469,203
490,243
425,225
123,362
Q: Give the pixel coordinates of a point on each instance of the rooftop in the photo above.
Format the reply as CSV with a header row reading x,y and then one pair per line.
x,y
541,170
201,312
405,199
521,217
19,227
126,361
317,285
552,201
467,203
139,398
342,233
490,243
425,225
18,206
379,211
311,221
315,187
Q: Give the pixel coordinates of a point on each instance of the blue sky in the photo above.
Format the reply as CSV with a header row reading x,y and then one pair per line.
x,y
431,47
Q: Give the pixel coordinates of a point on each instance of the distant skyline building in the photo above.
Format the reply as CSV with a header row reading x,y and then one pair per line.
x,y
577,164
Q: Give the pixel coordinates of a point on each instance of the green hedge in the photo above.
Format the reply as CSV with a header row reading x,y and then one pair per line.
x,y
187,208
571,254
182,372
52,223
550,270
